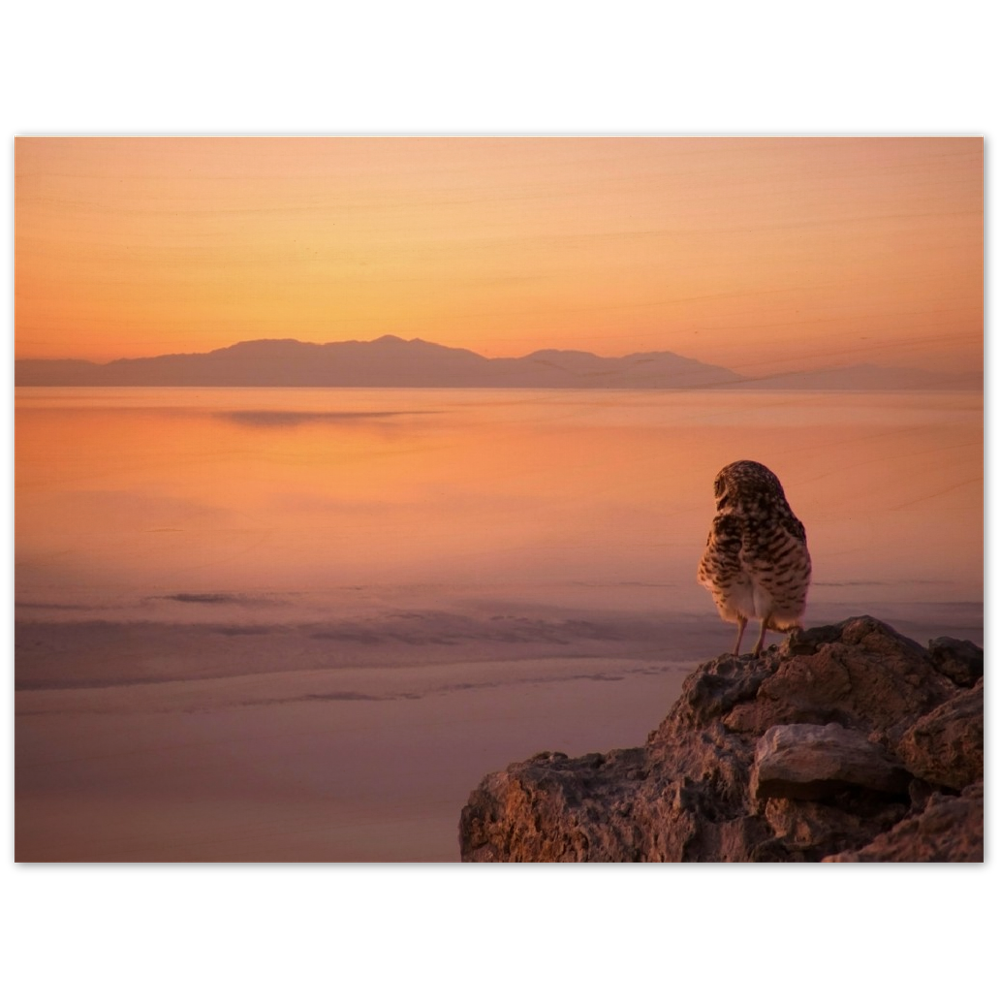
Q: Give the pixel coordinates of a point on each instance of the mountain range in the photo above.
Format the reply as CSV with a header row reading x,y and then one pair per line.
x,y
391,361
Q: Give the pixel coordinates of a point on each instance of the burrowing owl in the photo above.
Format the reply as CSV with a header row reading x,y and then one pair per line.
x,y
756,563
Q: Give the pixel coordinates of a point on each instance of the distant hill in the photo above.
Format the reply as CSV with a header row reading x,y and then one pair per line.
x,y
869,377
393,362
388,361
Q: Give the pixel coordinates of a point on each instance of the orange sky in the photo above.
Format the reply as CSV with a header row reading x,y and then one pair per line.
x,y
759,254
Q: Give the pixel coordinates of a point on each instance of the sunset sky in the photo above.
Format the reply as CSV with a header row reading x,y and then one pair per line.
x,y
763,255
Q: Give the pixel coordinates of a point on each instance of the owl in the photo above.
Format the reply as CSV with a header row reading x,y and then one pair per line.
x,y
756,564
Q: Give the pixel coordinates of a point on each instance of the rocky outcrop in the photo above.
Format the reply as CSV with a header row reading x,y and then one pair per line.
x,y
849,742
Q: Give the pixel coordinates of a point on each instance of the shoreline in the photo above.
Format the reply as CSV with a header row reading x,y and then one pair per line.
x,y
209,742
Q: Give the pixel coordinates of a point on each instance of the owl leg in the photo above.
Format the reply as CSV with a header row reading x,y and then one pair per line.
x,y
765,623
739,634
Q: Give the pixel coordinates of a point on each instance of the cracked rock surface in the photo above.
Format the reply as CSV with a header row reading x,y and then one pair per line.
x,y
849,742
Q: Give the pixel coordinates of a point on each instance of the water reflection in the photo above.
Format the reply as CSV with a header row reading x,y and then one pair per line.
x,y
153,492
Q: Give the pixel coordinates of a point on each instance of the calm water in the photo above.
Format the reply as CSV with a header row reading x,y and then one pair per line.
x,y
125,495
302,624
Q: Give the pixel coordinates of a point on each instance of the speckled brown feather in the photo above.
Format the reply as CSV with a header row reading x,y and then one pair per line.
x,y
756,562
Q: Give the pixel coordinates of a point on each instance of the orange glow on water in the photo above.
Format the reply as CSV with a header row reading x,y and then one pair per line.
x,y
145,491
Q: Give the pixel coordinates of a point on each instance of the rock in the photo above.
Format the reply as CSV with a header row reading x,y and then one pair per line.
x,y
813,762
945,747
870,678
958,659
950,828
848,739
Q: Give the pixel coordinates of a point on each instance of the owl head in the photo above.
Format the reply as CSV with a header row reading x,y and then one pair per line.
x,y
741,482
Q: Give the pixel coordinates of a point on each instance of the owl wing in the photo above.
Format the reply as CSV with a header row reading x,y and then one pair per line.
x,y
795,527
722,549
